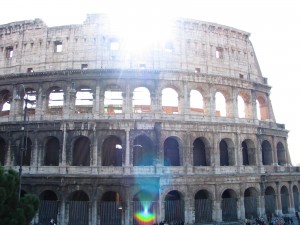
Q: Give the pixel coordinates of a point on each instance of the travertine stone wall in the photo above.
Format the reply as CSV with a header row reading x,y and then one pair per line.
x,y
29,60
193,45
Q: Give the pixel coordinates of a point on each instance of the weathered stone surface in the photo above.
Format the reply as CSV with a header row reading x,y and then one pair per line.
x,y
86,152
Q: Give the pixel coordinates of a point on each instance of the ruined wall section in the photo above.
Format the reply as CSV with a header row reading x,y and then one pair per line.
x,y
196,46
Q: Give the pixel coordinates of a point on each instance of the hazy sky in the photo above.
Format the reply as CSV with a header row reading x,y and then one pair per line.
x,y
274,26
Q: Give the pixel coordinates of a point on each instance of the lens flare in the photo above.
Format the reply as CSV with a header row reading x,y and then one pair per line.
x,y
145,216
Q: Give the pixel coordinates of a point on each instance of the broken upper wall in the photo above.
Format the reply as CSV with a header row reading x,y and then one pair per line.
x,y
194,45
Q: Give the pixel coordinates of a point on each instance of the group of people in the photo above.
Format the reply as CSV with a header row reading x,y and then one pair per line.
x,y
286,220
52,222
170,223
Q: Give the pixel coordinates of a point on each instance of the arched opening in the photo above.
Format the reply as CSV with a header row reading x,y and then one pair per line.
x,y
52,152
78,206
266,153
81,152
56,100
203,207
143,152
226,152
49,207
5,100
84,100
250,203
145,205
270,202
245,154
110,208
281,154
248,152
241,107
2,151
113,100
112,152
30,95
261,108
224,158
296,198
196,102
171,152
141,100
174,207
170,101
285,202
220,103
200,153
229,205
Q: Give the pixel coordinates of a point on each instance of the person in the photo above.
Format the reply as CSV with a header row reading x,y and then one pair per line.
x,y
52,222
297,215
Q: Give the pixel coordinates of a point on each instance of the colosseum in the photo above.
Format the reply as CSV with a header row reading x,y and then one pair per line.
x,y
108,132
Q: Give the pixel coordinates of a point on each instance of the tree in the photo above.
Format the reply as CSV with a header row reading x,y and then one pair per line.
x,y
15,211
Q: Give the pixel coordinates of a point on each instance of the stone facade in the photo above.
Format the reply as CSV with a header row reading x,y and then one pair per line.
x,y
109,153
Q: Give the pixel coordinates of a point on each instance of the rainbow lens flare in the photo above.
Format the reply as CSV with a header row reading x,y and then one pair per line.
x,y
144,217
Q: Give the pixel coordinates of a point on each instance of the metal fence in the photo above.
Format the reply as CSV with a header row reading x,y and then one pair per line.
x,y
270,205
110,213
78,212
174,210
285,203
148,209
48,210
203,210
296,201
250,204
229,209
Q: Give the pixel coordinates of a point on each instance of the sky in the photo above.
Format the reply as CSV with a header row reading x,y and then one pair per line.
x,y
274,26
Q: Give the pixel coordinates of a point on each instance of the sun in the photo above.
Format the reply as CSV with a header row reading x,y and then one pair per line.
x,y
141,27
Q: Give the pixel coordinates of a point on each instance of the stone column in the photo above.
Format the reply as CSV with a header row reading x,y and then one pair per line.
x,y
187,154
40,107
189,210
217,210
216,206
215,153
69,103
241,203
127,104
34,154
274,152
291,199
212,106
9,159
127,149
95,151
101,102
184,107
94,211
63,216
158,97
261,200
15,105
239,150
232,107
96,105
259,152
207,105
63,149
278,202
253,104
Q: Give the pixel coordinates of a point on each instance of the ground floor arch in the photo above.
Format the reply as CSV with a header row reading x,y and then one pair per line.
x,y
203,207
144,201
229,205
